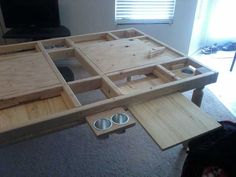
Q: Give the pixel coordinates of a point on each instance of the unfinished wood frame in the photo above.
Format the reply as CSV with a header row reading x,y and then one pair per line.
x,y
108,57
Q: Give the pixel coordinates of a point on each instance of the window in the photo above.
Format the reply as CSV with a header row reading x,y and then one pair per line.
x,y
144,11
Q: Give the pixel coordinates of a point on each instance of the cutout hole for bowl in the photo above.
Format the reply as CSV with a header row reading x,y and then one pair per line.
x,y
102,124
187,71
120,118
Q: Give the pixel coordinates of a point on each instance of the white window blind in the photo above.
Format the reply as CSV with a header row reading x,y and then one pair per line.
x,y
141,11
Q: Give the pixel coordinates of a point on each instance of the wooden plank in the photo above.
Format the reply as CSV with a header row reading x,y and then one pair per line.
x,y
24,74
62,53
108,89
172,119
17,48
37,94
155,51
83,85
123,54
166,73
14,116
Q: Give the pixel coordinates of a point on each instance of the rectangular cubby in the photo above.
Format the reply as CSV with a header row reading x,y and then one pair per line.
x,y
143,78
41,106
127,33
55,44
71,65
88,40
185,68
91,90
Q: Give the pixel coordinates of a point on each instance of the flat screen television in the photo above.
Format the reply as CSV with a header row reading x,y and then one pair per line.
x,y
30,13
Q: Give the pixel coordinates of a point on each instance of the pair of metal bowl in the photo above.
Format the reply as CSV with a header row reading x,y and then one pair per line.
x,y
106,123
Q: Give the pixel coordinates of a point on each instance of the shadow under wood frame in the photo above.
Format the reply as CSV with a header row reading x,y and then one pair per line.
x,y
69,57
91,90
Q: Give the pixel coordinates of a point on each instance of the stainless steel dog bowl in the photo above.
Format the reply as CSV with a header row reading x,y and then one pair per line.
x,y
102,124
120,118
187,70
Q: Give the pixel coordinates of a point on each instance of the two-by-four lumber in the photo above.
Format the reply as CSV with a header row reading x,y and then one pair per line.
x,y
37,94
14,48
87,84
142,70
164,73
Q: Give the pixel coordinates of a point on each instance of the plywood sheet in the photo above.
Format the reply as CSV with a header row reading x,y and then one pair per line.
x,y
18,115
172,119
19,75
124,53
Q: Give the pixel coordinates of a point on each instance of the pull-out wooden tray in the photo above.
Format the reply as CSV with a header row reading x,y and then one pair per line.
x,y
172,119
123,67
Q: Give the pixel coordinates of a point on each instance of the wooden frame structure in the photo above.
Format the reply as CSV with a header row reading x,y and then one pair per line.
x,y
127,66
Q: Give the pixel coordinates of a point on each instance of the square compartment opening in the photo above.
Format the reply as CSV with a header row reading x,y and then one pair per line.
x,y
185,68
19,49
88,40
127,34
91,90
91,96
70,66
55,44
143,79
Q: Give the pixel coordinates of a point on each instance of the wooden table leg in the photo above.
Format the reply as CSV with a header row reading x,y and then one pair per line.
x,y
197,100
197,96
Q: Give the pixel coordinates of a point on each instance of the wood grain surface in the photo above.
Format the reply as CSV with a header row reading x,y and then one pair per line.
x,y
172,119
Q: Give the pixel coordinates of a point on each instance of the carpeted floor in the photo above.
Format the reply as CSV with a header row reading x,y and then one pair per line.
x,y
75,152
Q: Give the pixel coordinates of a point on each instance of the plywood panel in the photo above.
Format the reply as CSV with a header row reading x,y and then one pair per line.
x,y
124,53
22,74
172,119
14,116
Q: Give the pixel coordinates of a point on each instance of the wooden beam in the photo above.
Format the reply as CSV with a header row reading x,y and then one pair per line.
x,y
64,53
84,85
37,94
13,48
160,70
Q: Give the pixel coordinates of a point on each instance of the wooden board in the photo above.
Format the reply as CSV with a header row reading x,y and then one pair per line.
x,y
19,75
124,53
172,119
13,117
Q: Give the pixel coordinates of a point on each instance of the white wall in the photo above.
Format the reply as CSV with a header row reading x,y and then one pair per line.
x,y
199,32
85,16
